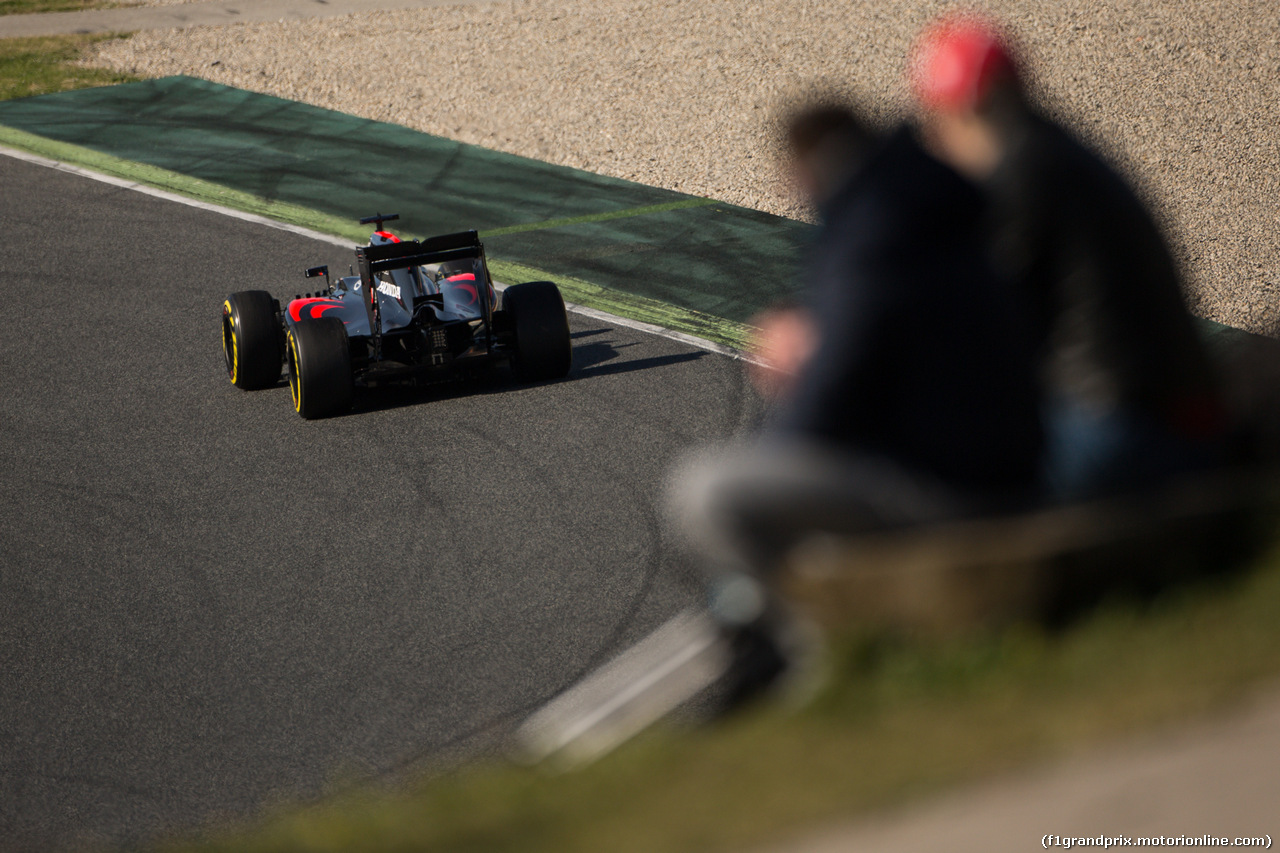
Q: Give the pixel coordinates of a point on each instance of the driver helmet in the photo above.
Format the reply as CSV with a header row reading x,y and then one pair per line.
x,y
456,271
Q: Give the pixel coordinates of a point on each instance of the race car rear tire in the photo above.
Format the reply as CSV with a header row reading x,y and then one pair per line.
x,y
541,326
251,339
319,358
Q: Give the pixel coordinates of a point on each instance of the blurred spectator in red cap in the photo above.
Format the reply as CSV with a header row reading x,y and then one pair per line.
x,y
1131,399
903,381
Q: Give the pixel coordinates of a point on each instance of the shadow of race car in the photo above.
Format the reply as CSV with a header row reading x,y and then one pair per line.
x,y
419,311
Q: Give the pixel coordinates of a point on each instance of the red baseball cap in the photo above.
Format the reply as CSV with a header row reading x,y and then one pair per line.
x,y
957,60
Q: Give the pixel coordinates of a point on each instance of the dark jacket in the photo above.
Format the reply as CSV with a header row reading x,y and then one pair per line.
x,y
922,356
1112,330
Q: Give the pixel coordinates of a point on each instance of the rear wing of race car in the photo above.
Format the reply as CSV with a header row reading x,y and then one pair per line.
x,y
413,253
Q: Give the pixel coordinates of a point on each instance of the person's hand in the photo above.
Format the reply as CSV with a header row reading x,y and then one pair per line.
x,y
784,341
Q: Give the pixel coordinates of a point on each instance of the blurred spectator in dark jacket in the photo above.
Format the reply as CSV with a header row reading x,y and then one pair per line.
x,y
905,392
1130,395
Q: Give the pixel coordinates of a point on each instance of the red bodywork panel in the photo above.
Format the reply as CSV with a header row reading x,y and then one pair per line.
x,y
315,306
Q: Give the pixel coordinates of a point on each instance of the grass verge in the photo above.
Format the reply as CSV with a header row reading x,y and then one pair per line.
x,y
45,64
898,719
24,7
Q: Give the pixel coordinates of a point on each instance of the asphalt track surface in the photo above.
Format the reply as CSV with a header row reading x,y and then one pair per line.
x,y
210,603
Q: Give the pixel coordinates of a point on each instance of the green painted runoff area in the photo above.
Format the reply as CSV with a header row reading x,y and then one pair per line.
x,y
681,261
687,263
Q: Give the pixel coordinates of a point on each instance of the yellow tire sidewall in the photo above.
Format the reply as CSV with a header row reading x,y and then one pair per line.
x,y
295,381
233,357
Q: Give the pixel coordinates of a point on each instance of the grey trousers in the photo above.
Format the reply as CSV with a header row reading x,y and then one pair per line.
x,y
738,509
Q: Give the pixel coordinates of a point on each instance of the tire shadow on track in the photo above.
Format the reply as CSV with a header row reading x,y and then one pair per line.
x,y
591,360
602,363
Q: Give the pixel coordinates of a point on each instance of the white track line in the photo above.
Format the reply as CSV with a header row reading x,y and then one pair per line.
x,y
649,328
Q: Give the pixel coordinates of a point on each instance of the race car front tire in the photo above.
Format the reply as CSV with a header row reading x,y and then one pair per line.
x,y
319,359
251,339
543,349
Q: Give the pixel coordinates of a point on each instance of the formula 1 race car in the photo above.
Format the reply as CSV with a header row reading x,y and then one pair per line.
x,y
417,312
